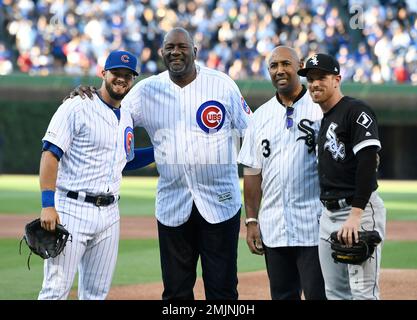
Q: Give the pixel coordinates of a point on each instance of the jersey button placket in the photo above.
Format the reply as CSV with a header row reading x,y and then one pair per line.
x,y
185,132
116,136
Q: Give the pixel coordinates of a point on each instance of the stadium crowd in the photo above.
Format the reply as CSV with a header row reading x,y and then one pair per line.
x,y
374,40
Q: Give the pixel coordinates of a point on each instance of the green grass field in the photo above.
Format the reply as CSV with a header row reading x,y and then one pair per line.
x,y
138,260
21,195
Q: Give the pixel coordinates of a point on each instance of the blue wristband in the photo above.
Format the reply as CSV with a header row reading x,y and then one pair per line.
x,y
48,198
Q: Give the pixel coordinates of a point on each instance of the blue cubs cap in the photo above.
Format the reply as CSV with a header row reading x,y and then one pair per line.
x,y
322,62
121,59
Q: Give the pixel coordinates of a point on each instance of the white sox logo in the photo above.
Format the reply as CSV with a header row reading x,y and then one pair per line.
x,y
335,148
314,60
309,138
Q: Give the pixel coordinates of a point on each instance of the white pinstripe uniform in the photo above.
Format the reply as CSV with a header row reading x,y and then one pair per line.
x,y
291,206
193,165
95,145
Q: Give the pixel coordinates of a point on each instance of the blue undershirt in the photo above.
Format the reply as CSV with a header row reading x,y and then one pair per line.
x,y
143,156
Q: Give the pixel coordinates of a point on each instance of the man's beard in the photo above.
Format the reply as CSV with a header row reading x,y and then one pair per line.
x,y
114,95
177,72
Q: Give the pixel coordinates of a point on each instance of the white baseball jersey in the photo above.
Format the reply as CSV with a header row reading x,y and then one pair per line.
x,y
96,146
195,131
290,208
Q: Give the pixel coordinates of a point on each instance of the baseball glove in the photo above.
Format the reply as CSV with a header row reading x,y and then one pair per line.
x,y
44,243
359,252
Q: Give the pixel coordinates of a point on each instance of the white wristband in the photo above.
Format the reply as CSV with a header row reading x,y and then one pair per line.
x,y
251,220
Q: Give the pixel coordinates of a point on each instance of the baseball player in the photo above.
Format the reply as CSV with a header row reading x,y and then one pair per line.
x,y
85,149
347,150
194,117
278,152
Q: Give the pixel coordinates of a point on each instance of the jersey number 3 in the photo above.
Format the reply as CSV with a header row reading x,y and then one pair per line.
x,y
266,151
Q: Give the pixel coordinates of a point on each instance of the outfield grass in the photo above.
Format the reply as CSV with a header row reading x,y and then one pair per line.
x,y
20,195
399,255
138,262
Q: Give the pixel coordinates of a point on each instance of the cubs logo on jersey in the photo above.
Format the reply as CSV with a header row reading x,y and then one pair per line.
x,y
129,144
210,116
245,105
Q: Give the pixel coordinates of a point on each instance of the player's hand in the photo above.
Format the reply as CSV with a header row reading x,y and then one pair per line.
x,y
49,218
349,231
81,91
253,239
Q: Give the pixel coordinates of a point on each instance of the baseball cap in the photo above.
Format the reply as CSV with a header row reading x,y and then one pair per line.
x,y
121,59
322,62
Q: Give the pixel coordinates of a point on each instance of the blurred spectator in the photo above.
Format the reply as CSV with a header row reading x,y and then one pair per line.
x,y
400,71
24,62
147,62
237,70
6,66
234,36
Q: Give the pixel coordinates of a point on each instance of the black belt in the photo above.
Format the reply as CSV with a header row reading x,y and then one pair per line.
x,y
337,204
99,201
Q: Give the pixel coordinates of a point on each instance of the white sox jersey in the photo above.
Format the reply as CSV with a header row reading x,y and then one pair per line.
x,y
96,145
194,131
290,208
346,129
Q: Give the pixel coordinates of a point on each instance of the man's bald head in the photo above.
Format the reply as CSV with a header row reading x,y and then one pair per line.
x,y
178,30
285,51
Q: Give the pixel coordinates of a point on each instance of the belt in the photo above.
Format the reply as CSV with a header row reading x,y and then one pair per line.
x,y
337,204
99,201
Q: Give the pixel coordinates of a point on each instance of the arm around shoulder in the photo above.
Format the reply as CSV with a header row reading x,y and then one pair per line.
x,y
143,157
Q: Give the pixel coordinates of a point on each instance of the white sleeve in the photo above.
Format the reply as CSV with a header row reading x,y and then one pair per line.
x,y
240,112
249,154
131,103
63,125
